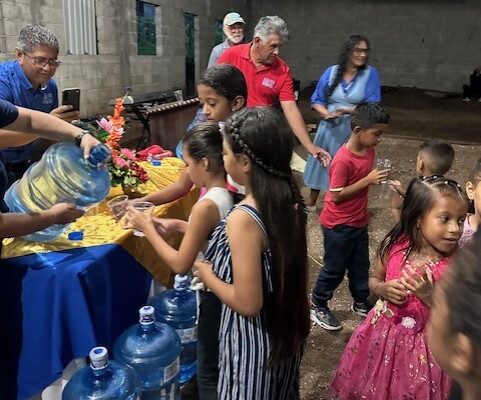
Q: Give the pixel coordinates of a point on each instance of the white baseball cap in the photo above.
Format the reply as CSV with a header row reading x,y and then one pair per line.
x,y
232,18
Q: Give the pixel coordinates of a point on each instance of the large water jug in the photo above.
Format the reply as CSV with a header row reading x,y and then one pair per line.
x,y
61,175
103,380
153,350
177,307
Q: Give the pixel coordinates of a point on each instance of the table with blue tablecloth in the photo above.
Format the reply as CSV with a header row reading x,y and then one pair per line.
x,y
60,299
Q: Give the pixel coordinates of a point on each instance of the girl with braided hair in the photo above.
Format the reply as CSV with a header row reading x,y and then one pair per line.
x,y
339,90
258,263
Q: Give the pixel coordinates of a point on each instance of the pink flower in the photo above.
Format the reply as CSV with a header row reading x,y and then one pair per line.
x,y
105,124
120,162
128,153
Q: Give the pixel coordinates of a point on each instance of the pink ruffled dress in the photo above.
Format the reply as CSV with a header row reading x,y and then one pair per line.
x,y
387,357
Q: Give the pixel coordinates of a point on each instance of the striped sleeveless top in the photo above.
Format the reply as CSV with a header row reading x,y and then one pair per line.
x,y
243,341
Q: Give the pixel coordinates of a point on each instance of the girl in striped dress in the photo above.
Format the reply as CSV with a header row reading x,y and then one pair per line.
x,y
258,264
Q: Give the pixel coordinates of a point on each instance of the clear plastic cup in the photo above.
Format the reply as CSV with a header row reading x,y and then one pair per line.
x,y
117,206
143,206
178,95
382,164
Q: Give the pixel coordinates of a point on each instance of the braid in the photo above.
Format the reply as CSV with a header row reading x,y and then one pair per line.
x,y
299,200
236,134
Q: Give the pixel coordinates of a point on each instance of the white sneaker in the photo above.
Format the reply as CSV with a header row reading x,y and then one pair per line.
x,y
466,99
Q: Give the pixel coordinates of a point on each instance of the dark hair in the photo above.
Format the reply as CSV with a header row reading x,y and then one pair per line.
x,y
440,156
368,114
475,174
262,134
419,199
227,80
205,141
462,291
474,178
346,52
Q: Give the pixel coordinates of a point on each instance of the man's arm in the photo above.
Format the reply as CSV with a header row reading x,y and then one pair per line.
x,y
296,122
48,127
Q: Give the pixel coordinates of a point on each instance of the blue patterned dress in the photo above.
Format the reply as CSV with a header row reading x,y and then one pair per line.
x,y
332,134
243,341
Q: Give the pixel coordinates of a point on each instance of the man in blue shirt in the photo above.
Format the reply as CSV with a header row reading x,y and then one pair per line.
x,y
27,82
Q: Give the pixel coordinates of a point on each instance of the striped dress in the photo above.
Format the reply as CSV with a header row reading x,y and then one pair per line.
x,y
243,341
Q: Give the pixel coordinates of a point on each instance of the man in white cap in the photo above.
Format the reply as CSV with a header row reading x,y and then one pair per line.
x,y
234,26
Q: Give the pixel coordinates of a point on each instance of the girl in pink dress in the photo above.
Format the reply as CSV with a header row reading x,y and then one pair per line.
x,y
387,356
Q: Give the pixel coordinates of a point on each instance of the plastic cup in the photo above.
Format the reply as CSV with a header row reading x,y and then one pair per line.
x,y
382,164
117,206
143,206
178,95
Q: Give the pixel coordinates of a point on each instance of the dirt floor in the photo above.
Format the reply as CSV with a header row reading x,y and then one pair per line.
x,y
413,115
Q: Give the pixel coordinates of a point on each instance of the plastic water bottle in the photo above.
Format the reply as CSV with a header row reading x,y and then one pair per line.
x,y
103,380
178,308
153,350
62,175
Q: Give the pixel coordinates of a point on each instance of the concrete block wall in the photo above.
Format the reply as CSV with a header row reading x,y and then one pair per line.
x,y
430,44
104,76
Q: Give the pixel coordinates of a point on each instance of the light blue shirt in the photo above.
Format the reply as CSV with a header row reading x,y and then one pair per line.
x,y
372,90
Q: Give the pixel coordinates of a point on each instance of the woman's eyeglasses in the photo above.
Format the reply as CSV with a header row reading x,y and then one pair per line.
x,y
358,50
41,62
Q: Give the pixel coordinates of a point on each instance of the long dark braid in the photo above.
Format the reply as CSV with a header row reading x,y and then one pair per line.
x,y
346,51
263,136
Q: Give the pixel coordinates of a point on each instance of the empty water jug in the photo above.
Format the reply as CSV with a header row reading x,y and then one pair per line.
x,y
103,380
62,175
177,307
153,350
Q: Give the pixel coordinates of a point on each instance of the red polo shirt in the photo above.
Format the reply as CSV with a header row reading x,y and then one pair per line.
x,y
266,86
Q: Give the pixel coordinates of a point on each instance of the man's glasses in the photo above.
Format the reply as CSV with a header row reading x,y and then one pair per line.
x,y
41,62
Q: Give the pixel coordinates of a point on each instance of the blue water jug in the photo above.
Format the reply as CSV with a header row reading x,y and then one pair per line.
x,y
103,380
178,308
153,350
62,175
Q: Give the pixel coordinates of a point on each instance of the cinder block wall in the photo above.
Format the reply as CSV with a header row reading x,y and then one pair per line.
x,y
431,44
105,76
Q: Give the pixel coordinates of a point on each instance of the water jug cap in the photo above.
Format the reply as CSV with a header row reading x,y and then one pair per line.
x,y
98,357
76,235
181,281
100,154
147,315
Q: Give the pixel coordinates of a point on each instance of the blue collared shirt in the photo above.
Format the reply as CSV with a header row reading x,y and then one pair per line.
x,y
17,89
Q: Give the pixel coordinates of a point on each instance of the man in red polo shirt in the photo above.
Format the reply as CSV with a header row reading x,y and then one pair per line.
x,y
269,80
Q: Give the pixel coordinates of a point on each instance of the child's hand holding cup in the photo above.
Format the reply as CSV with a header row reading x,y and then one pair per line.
x,y
139,216
117,206
383,164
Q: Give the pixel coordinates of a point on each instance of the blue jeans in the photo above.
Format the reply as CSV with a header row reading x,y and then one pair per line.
x,y
345,248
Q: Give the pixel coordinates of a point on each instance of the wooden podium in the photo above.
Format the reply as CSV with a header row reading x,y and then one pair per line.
x,y
169,121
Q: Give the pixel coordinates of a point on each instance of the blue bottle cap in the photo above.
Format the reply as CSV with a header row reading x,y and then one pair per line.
x,y
76,235
100,154
155,162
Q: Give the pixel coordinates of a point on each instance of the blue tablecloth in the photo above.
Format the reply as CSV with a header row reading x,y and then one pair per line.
x,y
56,306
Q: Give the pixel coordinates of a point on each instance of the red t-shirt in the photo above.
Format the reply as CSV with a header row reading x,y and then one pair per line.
x,y
347,168
266,86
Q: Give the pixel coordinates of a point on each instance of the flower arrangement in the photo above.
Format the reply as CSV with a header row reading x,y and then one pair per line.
x,y
123,168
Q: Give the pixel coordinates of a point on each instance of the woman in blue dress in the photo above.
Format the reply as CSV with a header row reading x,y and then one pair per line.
x,y
339,90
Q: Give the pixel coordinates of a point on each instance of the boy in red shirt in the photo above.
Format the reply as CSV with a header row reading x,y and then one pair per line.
x,y
344,218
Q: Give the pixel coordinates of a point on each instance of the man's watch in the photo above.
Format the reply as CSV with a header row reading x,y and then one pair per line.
x,y
78,138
